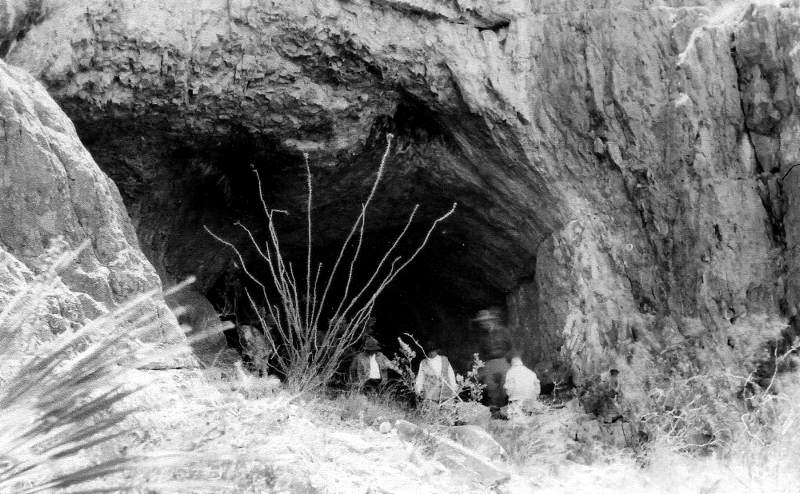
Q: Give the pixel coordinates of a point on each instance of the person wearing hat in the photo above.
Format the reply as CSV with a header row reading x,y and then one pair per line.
x,y
369,368
494,334
436,380
489,320
495,345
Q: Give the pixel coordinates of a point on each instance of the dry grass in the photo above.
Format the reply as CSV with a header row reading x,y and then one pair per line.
x,y
279,442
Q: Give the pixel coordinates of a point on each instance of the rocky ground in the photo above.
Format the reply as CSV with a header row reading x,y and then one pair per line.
x,y
251,437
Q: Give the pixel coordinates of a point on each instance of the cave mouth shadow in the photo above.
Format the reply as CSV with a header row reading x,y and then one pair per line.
x,y
177,187
434,298
438,294
175,181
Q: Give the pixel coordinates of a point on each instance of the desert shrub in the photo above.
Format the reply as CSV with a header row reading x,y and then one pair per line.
x,y
308,328
470,384
401,386
522,443
712,395
692,414
372,410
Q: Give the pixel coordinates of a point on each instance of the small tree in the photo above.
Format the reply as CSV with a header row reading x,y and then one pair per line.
x,y
307,349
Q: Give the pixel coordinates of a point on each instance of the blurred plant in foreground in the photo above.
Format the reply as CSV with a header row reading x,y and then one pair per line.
x,y
68,395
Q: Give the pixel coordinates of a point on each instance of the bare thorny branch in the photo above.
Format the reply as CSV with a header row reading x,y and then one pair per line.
x,y
308,351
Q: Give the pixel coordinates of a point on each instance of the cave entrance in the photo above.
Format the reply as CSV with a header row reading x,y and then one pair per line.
x,y
435,298
469,264
175,184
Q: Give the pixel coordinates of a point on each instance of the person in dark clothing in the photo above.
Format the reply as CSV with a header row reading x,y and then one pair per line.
x,y
494,344
369,368
493,375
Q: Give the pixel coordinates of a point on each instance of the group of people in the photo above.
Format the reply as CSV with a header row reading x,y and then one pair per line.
x,y
435,378
509,385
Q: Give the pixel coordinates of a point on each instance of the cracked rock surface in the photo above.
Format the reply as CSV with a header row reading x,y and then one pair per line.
x,y
52,190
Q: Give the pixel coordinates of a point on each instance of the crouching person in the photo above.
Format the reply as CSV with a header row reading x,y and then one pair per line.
x,y
436,381
369,368
522,387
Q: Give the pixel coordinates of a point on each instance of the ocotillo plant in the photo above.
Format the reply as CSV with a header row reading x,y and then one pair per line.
x,y
310,328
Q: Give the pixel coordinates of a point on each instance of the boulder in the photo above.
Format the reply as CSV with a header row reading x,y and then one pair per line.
x,y
477,439
54,198
455,456
203,325
409,432
472,413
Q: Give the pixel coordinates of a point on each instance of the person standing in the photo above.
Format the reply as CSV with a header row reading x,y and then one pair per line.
x,y
369,368
522,386
436,380
493,375
496,346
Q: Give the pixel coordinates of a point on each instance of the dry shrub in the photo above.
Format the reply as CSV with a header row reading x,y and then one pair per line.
x,y
761,456
432,413
308,328
369,410
522,443
715,393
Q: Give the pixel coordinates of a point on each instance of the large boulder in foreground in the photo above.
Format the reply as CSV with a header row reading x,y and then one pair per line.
x,y
51,188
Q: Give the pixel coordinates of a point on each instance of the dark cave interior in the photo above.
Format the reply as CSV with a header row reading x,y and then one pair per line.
x,y
176,186
434,298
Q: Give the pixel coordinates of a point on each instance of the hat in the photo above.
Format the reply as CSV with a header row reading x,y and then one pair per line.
x,y
372,345
487,315
431,345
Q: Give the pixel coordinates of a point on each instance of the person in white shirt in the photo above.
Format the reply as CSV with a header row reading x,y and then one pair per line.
x,y
369,368
436,380
522,386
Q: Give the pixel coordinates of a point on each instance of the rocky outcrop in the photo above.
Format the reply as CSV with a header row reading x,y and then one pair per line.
x,y
54,198
624,170
767,57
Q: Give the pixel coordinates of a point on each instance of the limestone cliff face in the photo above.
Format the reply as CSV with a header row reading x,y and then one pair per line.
x,y
52,189
624,169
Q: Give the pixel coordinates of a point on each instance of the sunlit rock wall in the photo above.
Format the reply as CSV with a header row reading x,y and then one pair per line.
x,y
54,197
